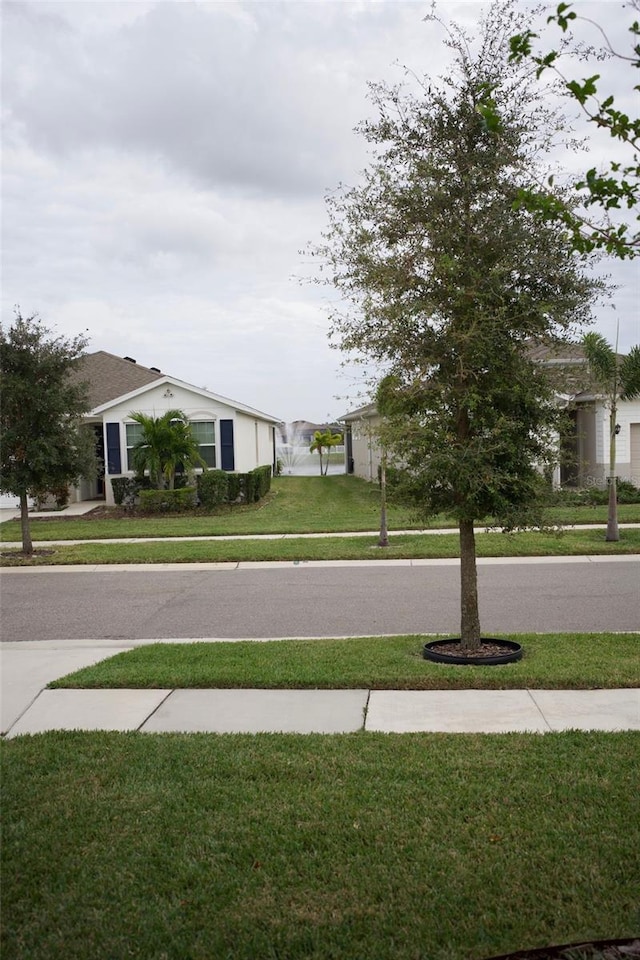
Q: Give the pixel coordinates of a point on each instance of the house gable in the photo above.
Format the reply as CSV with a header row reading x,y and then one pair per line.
x,y
173,390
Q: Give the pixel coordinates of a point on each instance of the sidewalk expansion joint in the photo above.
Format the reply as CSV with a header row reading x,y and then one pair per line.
x,y
155,710
365,711
539,709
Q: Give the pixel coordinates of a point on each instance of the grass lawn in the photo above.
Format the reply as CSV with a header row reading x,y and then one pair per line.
x,y
295,505
396,847
401,547
550,661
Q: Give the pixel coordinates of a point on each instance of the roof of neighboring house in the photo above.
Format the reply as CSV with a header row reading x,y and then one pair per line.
x,y
369,410
558,353
109,376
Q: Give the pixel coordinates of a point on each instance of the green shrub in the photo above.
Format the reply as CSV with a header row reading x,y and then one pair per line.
x,y
235,489
45,499
183,480
167,501
213,488
249,487
262,481
125,490
627,492
596,494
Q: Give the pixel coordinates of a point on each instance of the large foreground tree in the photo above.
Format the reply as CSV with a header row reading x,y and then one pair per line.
x,y
448,283
42,404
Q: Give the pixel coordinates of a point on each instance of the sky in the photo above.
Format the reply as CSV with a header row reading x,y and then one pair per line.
x,y
165,167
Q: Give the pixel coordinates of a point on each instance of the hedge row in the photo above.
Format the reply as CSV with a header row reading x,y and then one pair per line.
x,y
213,487
168,501
127,489
216,486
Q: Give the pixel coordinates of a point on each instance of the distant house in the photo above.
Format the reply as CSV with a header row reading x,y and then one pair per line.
x,y
232,436
585,452
300,432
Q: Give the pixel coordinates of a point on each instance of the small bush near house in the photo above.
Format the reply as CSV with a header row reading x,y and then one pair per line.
x,y
167,501
125,490
52,498
235,487
213,488
595,495
261,482
249,487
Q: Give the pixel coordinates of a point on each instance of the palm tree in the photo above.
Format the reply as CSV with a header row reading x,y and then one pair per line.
x,y
619,378
166,443
322,439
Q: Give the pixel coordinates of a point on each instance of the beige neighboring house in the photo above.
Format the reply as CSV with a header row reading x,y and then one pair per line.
x,y
587,446
232,436
361,447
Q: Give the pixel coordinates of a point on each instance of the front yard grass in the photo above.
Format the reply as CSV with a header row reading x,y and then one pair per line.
x,y
401,547
394,847
295,505
550,661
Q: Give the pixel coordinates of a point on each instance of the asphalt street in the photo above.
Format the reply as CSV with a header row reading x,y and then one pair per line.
x,y
307,600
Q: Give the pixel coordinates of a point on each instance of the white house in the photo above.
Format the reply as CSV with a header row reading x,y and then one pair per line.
x,y
232,436
587,446
590,441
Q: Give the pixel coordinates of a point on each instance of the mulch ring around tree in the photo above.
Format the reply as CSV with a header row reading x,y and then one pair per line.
x,y
20,556
491,651
591,950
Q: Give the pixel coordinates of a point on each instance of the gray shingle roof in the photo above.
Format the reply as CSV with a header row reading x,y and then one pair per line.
x,y
109,376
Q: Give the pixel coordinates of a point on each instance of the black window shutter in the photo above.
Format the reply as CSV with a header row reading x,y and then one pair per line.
x,y
114,463
227,458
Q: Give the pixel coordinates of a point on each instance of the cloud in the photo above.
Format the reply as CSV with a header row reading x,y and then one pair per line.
x,y
165,162
239,96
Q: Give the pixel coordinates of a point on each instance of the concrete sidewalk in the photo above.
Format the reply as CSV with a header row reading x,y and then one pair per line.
x,y
28,708
15,544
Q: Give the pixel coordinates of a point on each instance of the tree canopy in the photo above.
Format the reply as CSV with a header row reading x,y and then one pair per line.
x,y
43,444
617,186
447,282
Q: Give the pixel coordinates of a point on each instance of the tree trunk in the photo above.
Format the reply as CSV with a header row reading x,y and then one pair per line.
x,y
469,616
383,541
27,545
612,518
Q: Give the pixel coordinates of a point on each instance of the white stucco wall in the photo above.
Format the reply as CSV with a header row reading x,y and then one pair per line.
x,y
252,437
253,442
628,413
365,449
156,401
